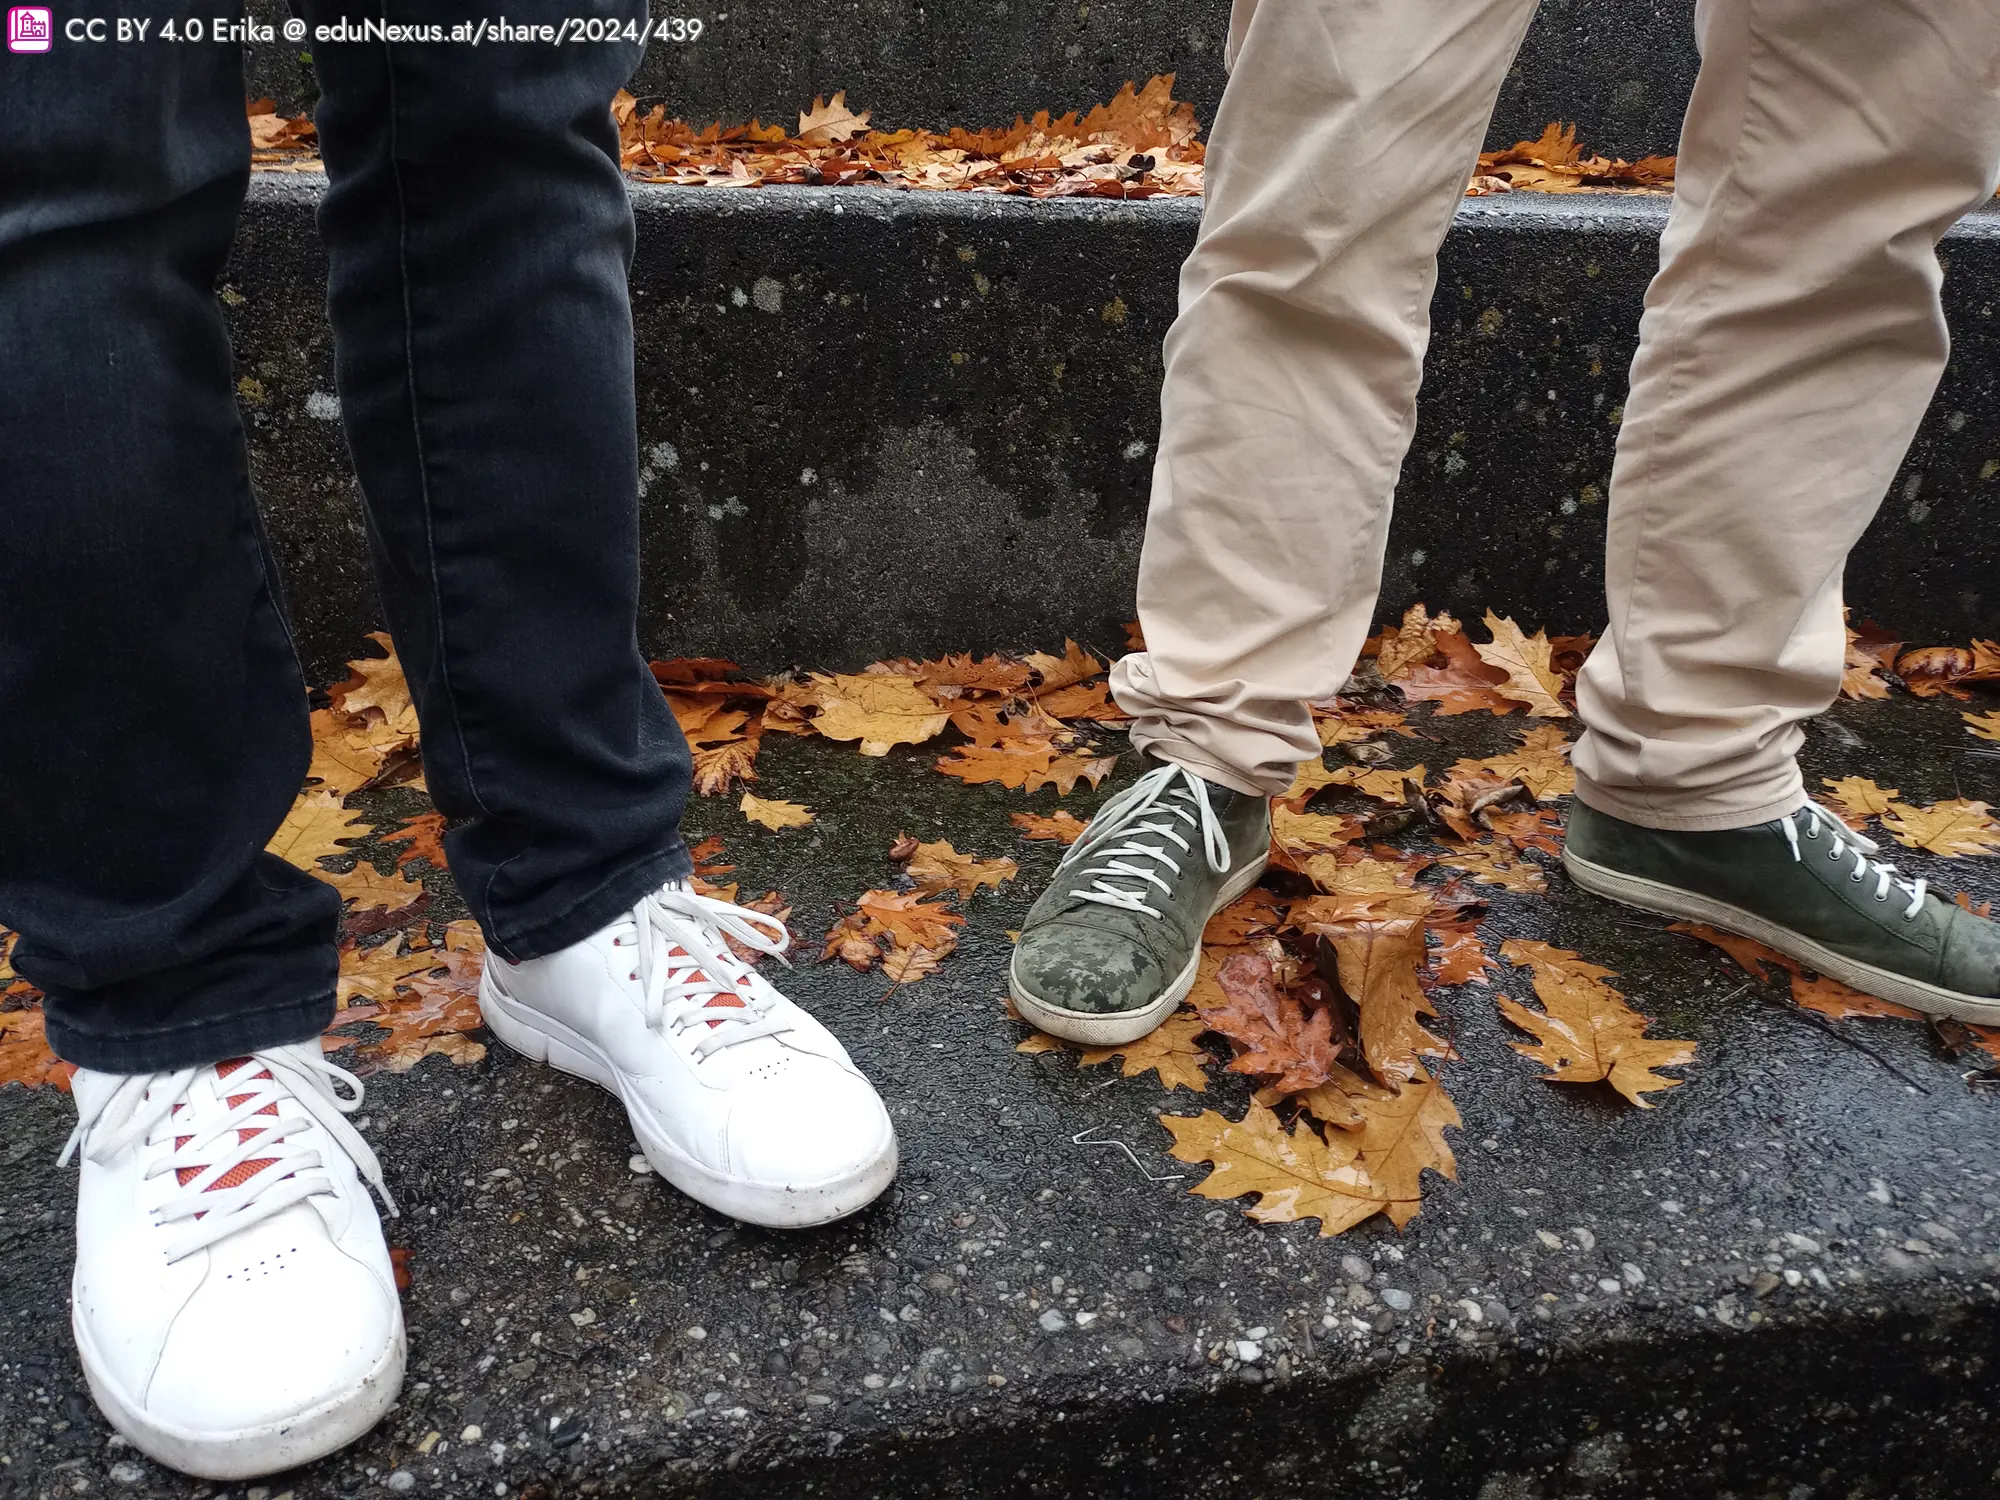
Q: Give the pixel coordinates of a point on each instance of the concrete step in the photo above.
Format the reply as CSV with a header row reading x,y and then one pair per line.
x,y
1621,69
1780,1283
995,364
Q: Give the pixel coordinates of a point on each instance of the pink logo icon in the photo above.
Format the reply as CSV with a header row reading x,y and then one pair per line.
x,y
30,28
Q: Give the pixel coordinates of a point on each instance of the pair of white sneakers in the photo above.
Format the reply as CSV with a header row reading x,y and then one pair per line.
x,y
222,1200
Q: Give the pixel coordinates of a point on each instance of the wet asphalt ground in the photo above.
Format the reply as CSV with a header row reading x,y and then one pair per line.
x,y
1784,1281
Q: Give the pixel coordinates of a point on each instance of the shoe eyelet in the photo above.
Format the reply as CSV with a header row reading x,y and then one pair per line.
x,y
634,975
1812,830
1883,897
1858,876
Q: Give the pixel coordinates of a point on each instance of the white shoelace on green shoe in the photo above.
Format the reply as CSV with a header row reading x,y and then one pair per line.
x,y
1842,841
249,1121
1149,806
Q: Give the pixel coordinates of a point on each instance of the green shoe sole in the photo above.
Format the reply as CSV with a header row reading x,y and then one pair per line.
x,y
1675,901
1112,1028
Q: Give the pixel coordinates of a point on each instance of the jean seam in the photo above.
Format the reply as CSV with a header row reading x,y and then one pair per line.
x,y
273,587
439,614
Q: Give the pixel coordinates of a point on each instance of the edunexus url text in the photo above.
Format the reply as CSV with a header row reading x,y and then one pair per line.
x,y
571,30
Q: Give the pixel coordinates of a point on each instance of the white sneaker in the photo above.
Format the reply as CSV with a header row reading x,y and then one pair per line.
x,y
738,1097
233,1303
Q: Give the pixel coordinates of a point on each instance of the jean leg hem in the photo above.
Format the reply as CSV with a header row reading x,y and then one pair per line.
x,y
1164,744
1693,818
192,1046
609,900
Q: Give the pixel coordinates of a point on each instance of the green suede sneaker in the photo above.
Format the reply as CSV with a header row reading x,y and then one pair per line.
x,y
1804,885
1113,945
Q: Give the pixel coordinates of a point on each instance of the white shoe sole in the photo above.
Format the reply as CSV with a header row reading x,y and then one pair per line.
x,y
789,1206
1094,1028
249,1452
1674,901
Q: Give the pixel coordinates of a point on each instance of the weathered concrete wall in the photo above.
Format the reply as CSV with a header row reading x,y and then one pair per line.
x,y
878,422
1620,68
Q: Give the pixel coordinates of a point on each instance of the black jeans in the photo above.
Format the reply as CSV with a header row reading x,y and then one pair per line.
x,y
152,713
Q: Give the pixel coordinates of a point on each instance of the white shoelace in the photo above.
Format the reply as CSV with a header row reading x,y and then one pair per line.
x,y
143,1107
685,966
1842,841
1152,805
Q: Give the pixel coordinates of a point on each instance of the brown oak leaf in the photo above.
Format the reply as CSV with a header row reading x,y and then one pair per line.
x,y
827,124
878,709
1585,1032
938,867
374,683
1955,828
424,836
1931,670
1464,684
1495,864
1170,1050
317,827
25,1057
1295,1174
1862,677
1531,679
1856,799
1056,672
1401,1138
1062,827
1378,970
774,814
1413,644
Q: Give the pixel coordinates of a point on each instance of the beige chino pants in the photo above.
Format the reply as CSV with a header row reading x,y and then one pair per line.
x,y
1790,344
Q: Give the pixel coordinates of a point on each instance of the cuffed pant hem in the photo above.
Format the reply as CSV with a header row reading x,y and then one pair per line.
x,y
1699,815
195,1045
1183,753
610,900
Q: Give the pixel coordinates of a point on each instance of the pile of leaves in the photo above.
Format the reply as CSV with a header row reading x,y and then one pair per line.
x,y
1143,143
408,986
281,143
1318,982
1023,723
1554,163
1020,722
1318,986
908,932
